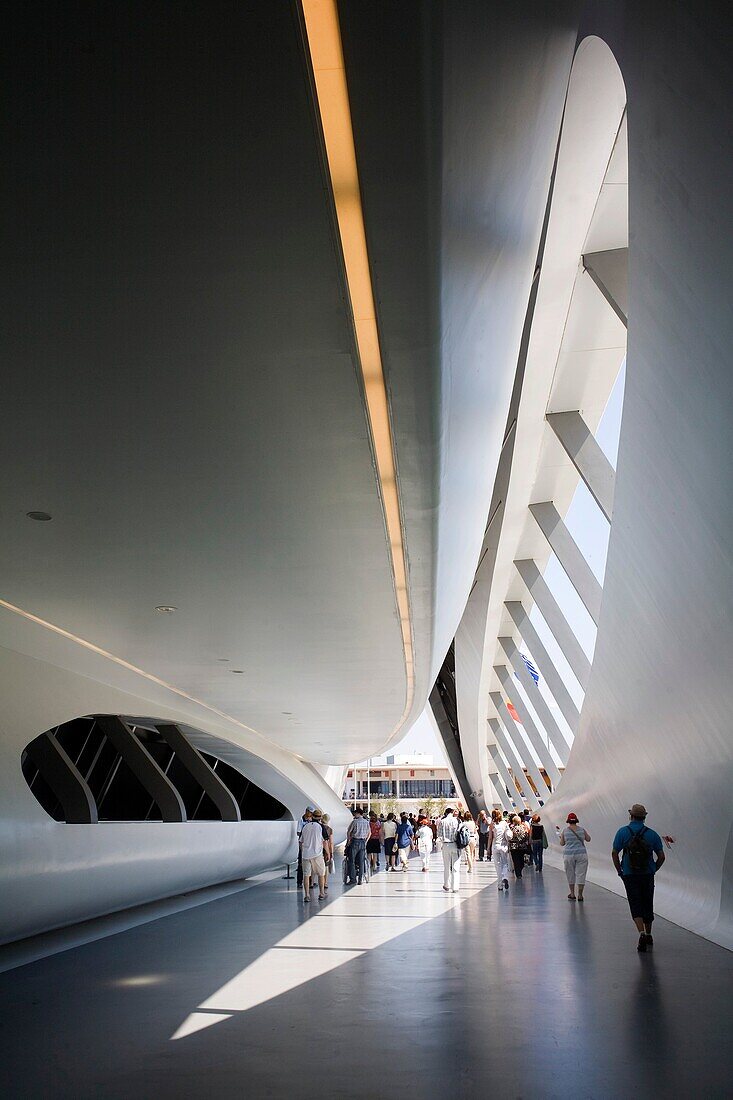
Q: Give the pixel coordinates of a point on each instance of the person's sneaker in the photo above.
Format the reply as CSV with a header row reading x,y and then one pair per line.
x,y
641,945
506,884
649,940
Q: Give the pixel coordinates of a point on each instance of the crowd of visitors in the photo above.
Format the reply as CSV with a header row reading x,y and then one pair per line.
x,y
514,842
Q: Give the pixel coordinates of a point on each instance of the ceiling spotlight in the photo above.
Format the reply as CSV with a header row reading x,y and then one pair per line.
x,y
237,671
223,660
288,712
166,609
42,517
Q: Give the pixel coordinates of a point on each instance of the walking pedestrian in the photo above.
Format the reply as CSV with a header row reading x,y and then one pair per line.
x,y
424,842
573,839
311,847
447,829
405,833
327,849
499,834
373,845
472,841
357,835
389,835
518,844
307,816
484,825
639,845
538,838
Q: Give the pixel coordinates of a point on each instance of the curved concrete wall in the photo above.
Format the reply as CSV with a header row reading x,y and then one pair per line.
x,y
52,874
656,724
590,124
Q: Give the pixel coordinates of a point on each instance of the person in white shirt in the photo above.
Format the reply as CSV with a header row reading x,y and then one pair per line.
x,y
447,829
425,843
311,850
499,837
389,834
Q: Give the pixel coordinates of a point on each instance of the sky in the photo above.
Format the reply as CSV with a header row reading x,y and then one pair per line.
x,y
590,530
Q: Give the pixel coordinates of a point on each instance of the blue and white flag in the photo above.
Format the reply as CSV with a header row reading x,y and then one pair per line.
x,y
530,668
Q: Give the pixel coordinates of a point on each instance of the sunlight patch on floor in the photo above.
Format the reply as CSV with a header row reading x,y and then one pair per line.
x,y
322,944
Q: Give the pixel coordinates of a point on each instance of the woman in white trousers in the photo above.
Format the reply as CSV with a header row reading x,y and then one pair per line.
x,y
499,836
573,840
425,844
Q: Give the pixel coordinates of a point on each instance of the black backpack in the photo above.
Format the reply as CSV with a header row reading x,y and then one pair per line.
x,y
638,852
463,836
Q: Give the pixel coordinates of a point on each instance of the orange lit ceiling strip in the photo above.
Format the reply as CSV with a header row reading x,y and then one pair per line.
x,y
327,60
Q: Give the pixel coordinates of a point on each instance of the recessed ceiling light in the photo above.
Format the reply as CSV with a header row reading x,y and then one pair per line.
x,y
223,660
288,712
166,609
237,671
42,517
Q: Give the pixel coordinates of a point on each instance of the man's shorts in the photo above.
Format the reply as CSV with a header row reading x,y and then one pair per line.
x,y
640,892
315,866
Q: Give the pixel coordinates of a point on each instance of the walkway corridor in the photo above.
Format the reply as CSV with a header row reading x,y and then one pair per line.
x,y
393,989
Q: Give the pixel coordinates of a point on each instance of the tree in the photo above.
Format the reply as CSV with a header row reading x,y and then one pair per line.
x,y
442,803
430,806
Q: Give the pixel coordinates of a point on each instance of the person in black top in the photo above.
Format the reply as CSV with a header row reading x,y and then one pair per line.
x,y
538,840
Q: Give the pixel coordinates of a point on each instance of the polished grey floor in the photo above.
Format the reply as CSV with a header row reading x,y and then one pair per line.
x,y
394,989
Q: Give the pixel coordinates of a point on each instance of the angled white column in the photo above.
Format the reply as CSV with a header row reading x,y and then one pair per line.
x,y
581,447
533,734
572,650
537,699
497,784
510,725
609,270
544,664
579,573
514,763
505,776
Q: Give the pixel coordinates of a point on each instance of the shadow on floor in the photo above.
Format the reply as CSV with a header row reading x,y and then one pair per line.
x,y
392,988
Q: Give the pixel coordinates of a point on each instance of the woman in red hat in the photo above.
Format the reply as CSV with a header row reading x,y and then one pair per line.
x,y
573,840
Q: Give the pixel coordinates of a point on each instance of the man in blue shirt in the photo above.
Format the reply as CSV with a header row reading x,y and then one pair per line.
x,y
643,855
405,833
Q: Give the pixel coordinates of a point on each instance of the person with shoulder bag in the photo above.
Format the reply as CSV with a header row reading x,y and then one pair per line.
x,y
518,844
538,840
447,831
573,839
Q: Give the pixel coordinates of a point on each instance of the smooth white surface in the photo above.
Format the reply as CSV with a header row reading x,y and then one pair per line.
x,y
655,725
574,343
52,874
656,722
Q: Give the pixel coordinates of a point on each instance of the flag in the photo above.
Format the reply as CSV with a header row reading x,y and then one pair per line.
x,y
530,668
513,711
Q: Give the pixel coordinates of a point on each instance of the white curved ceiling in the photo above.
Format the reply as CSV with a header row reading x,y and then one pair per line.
x,y
180,391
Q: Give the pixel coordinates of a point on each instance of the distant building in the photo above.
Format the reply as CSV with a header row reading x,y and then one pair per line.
x,y
402,782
